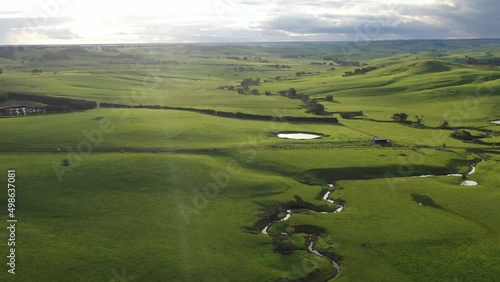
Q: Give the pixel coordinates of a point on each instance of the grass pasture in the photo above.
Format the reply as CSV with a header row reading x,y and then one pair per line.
x,y
167,195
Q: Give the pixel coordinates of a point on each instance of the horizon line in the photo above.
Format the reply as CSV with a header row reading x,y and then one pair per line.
x,y
245,42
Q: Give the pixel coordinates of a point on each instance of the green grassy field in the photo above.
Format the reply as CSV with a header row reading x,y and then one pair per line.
x,y
167,195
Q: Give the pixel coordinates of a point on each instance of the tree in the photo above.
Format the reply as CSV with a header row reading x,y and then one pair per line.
x,y
462,135
283,244
420,121
329,98
315,107
400,117
1,71
66,162
444,124
348,115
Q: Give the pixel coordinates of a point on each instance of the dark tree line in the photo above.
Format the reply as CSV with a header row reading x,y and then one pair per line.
x,y
293,94
3,97
359,71
55,103
228,114
349,115
400,117
277,66
7,52
462,135
346,63
249,82
311,106
483,62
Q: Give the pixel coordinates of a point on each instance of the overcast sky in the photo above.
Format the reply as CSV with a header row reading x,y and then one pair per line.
x,y
155,21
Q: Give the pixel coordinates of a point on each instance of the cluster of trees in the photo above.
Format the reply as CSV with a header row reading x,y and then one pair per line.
x,y
293,94
400,117
349,115
293,56
227,114
359,71
226,87
484,62
245,91
311,106
300,73
140,60
249,82
277,66
7,52
36,71
346,63
55,103
462,135
403,118
1,71
236,58
318,63
314,107
241,69
244,87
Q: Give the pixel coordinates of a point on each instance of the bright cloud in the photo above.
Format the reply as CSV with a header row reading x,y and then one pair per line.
x,y
111,21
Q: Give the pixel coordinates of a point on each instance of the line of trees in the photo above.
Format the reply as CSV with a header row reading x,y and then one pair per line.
x,y
277,66
228,114
483,62
311,106
403,118
62,104
4,97
359,71
349,115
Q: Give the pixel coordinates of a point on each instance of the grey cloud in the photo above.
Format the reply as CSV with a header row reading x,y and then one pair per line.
x,y
304,19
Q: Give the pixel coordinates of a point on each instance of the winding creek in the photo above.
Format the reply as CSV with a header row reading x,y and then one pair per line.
x,y
334,264
310,246
465,182
326,197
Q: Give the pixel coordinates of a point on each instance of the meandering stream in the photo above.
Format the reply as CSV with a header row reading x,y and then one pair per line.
x,y
334,263
310,247
464,183
326,197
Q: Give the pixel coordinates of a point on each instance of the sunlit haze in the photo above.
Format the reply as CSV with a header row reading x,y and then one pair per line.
x,y
151,21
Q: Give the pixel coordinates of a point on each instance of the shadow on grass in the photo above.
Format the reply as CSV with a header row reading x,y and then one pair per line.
x,y
310,229
365,173
425,201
